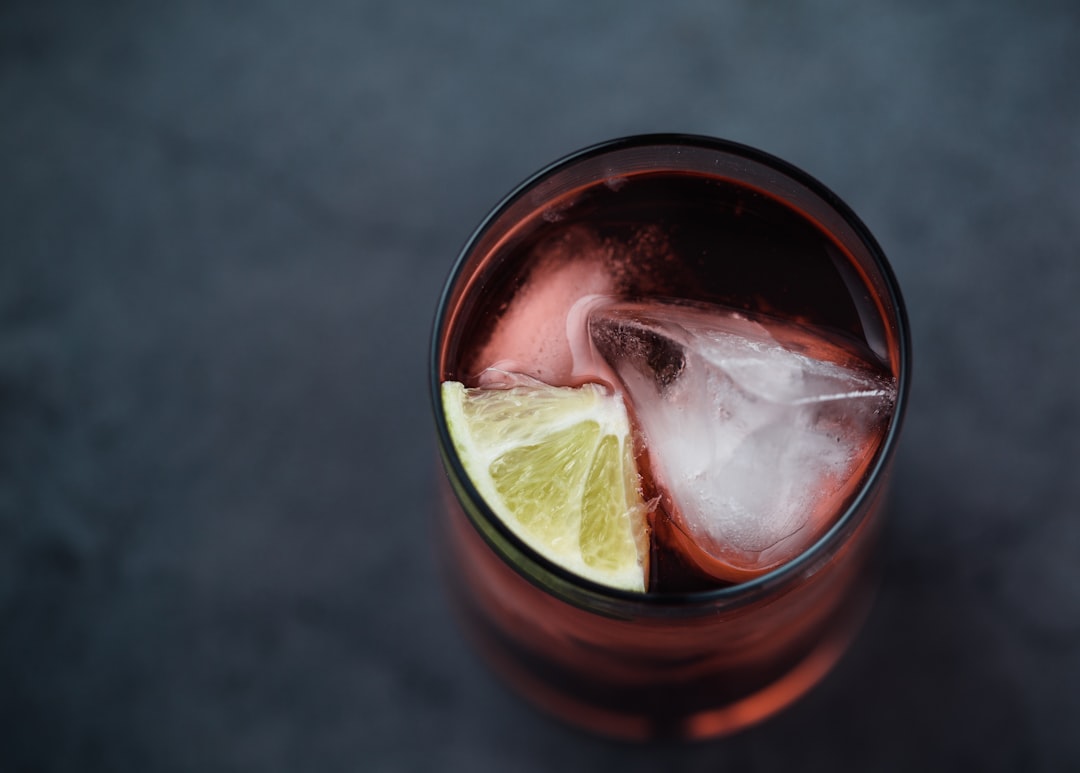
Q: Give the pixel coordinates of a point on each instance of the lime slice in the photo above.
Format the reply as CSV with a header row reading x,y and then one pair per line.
x,y
556,464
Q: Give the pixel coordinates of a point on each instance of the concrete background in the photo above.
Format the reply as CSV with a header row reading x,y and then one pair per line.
x,y
223,229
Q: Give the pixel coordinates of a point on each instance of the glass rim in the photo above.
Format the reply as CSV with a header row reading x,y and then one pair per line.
x,y
587,593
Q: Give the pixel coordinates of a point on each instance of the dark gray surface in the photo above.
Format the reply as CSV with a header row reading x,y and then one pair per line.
x,y
223,228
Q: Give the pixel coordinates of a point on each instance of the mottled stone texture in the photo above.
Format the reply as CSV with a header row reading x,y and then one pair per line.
x,y
223,229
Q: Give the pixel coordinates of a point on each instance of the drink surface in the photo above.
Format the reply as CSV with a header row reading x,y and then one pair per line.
x,y
662,286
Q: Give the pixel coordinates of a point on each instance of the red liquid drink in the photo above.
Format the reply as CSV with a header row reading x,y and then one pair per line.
x,y
638,263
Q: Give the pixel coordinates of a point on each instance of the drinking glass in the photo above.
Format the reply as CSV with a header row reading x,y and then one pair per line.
x,y
704,661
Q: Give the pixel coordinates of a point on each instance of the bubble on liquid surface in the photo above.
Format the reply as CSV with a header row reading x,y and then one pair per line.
x,y
757,430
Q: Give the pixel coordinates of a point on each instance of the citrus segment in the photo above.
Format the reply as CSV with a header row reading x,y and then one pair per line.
x,y
556,465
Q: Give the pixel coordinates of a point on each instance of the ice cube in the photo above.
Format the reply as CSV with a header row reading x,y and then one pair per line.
x,y
532,336
757,430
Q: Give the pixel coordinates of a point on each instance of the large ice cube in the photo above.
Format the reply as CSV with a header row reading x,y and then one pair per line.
x,y
757,430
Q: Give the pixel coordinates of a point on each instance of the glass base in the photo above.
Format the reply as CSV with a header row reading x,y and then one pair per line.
x,y
704,724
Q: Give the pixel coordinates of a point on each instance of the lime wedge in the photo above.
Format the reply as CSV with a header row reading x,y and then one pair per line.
x,y
556,464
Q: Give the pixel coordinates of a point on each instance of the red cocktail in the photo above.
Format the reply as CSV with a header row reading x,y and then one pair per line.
x,y
752,330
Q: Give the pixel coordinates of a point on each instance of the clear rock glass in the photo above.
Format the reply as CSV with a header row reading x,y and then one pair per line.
x,y
689,663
